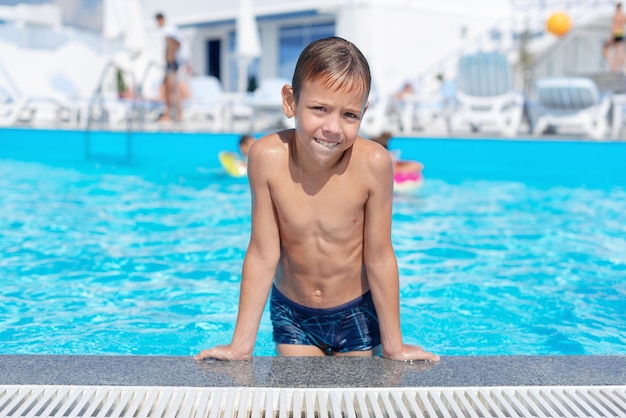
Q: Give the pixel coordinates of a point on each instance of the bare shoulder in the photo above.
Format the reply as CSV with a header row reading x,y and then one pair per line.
x,y
269,154
374,156
272,145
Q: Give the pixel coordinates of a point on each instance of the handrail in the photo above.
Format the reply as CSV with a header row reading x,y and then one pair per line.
x,y
97,97
137,112
536,28
144,77
139,93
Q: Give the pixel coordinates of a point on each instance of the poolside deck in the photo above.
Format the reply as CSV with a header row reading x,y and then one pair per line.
x,y
433,129
453,371
486,386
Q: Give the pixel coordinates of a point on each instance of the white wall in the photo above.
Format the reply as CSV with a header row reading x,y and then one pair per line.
x,y
401,38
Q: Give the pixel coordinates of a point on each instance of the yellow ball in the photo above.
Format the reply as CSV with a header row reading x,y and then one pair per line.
x,y
559,24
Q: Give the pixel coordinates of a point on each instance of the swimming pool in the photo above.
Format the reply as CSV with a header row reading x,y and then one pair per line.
x,y
133,245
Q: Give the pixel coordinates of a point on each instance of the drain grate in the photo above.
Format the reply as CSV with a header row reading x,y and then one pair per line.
x,y
184,402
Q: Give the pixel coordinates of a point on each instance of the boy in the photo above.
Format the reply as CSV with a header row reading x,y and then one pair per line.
x,y
321,223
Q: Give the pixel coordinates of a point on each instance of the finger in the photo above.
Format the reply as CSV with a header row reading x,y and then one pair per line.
x,y
204,354
425,355
419,354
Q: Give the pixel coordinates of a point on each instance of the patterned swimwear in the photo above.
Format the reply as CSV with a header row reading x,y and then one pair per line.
x,y
171,66
352,326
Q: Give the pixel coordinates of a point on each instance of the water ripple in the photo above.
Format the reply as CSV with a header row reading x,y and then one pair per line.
x,y
99,260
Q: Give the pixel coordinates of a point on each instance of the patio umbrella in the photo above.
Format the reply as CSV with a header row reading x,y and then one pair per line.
x,y
248,42
123,24
134,37
123,20
113,19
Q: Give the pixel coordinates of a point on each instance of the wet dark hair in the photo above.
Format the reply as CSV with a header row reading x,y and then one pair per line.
x,y
334,61
383,139
245,138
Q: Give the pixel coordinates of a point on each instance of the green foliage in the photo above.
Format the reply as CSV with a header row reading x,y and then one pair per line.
x,y
121,84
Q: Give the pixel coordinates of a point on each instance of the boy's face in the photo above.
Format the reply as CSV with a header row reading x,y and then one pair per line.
x,y
327,120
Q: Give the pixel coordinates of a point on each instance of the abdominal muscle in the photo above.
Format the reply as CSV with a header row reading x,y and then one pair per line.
x,y
320,222
330,277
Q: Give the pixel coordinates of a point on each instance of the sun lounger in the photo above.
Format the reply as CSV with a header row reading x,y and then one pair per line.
x,y
571,102
267,105
485,95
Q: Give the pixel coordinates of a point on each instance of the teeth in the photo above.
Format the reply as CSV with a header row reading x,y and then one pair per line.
x,y
326,143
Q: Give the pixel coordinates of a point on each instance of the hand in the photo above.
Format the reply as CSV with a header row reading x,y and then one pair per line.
x,y
221,352
410,353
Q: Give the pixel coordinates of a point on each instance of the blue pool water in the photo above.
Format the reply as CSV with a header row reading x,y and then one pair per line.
x,y
510,247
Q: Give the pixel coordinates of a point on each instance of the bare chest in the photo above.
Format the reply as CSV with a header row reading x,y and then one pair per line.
x,y
333,208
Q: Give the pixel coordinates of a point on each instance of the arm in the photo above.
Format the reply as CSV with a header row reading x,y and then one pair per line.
x,y
259,264
382,266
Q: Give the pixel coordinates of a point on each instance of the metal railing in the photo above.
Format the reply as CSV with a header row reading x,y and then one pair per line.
x,y
135,116
100,107
527,24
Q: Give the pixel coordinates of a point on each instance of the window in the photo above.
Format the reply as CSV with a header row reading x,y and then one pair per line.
x,y
253,68
294,39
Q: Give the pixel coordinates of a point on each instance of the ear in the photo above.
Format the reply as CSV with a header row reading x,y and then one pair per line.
x,y
289,101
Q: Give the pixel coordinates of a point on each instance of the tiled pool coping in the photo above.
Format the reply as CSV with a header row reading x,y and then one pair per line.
x,y
453,371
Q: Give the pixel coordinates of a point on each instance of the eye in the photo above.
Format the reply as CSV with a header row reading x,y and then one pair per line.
x,y
351,115
318,109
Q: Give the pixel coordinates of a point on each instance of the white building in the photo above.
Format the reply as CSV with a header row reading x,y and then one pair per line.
x,y
404,40
412,40
400,38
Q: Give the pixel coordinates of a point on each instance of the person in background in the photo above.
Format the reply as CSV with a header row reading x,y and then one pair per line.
x,y
406,90
401,168
403,104
170,82
245,142
616,40
320,244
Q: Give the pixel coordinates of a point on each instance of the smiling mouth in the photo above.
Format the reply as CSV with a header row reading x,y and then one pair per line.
x,y
325,143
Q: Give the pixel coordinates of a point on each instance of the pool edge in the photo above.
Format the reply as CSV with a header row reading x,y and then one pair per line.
x,y
281,372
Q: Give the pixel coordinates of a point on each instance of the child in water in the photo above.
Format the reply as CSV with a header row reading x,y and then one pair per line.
x,y
245,142
403,170
320,245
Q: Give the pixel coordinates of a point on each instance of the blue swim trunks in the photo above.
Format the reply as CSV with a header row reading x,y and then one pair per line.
x,y
352,326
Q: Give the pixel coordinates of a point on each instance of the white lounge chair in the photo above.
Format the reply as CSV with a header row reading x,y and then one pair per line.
x,y
207,101
572,102
92,85
27,94
267,105
485,95
56,86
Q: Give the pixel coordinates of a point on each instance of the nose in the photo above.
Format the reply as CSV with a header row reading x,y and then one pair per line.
x,y
332,124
